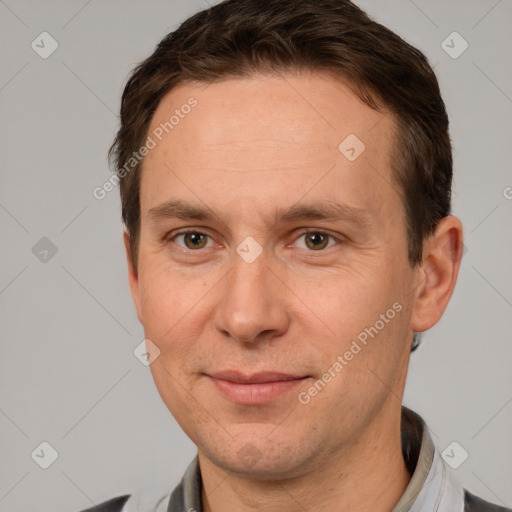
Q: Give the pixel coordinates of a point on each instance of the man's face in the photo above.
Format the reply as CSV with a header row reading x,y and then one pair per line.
x,y
294,248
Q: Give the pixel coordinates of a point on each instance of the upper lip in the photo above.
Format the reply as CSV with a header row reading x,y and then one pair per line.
x,y
255,378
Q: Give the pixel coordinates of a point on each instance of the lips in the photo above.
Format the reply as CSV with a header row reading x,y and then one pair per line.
x,y
258,388
256,378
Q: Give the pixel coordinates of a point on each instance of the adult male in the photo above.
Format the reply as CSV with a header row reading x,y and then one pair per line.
x,y
285,172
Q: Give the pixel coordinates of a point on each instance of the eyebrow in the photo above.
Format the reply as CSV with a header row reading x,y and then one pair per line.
x,y
324,210
181,210
321,210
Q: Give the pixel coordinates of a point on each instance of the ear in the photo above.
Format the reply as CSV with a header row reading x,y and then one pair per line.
x,y
133,275
437,273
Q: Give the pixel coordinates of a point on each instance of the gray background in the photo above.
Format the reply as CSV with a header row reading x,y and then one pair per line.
x,y
68,374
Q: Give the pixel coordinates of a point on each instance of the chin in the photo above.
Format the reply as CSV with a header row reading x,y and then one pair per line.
x,y
264,458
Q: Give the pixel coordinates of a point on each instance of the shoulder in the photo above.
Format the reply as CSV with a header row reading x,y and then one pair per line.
x,y
113,505
473,503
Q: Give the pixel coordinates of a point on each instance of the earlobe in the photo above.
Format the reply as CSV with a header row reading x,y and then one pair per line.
x,y
437,273
133,276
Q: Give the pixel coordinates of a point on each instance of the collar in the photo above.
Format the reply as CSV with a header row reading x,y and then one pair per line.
x,y
430,487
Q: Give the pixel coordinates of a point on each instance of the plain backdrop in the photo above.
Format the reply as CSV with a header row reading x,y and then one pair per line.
x,y
68,327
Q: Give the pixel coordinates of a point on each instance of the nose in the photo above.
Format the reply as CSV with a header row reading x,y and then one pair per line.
x,y
252,307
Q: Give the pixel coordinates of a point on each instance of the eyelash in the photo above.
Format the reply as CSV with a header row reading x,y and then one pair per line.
x,y
171,238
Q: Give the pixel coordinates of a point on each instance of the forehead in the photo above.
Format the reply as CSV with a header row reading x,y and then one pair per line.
x,y
269,137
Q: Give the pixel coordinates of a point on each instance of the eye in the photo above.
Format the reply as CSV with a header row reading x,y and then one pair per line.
x,y
192,240
315,241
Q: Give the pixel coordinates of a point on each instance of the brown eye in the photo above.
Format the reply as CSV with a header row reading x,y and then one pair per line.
x,y
193,240
316,241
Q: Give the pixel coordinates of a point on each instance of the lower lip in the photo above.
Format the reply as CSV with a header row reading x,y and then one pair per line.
x,y
251,394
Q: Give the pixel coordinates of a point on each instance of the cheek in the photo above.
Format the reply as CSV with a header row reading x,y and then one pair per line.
x,y
347,300
362,315
169,300
174,311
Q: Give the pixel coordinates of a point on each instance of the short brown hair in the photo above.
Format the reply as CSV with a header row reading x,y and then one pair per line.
x,y
238,38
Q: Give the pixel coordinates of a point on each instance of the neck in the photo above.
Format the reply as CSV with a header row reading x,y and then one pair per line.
x,y
369,475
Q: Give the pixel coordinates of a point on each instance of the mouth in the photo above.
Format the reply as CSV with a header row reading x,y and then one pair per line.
x,y
258,388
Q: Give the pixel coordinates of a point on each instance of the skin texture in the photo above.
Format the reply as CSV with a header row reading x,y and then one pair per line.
x,y
250,149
